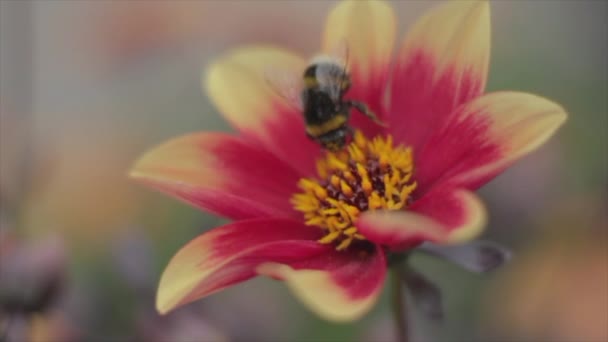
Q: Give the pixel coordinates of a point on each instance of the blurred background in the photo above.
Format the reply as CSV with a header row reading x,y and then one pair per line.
x,y
87,86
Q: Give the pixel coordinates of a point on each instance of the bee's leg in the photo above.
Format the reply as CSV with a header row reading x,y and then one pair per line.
x,y
311,137
350,133
364,109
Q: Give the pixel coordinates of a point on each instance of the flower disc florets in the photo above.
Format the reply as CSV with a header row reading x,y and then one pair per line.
x,y
366,175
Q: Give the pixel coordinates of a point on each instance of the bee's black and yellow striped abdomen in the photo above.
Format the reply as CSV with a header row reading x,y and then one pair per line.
x,y
316,130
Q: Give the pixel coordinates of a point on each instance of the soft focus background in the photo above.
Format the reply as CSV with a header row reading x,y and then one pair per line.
x,y
87,86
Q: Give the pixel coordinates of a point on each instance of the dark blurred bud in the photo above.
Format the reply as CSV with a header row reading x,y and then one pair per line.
x,y
13,328
425,295
31,276
475,256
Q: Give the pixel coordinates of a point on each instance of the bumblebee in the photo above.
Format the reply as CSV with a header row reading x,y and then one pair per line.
x,y
325,111
321,100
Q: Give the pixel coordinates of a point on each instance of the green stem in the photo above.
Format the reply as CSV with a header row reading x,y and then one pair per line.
x,y
399,303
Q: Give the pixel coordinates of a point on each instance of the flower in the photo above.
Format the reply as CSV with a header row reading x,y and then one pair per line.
x,y
33,277
324,222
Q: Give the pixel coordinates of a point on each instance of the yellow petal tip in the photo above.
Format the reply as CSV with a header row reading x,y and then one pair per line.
x,y
368,28
476,223
319,293
242,71
162,309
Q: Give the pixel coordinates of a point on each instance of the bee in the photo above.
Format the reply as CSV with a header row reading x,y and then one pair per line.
x,y
326,113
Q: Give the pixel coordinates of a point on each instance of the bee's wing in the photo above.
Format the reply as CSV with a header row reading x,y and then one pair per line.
x,y
287,84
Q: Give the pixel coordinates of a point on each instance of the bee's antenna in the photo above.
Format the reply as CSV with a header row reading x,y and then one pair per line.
x,y
346,57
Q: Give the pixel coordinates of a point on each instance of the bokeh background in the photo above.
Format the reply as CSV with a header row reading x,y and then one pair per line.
x,y
87,86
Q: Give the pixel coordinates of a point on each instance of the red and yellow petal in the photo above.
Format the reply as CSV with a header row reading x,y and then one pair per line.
x,y
400,229
230,254
367,29
239,85
443,216
459,211
443,63
220,173
485,136
338,286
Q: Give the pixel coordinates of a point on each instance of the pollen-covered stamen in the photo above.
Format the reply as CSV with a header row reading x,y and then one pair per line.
x,y
366,175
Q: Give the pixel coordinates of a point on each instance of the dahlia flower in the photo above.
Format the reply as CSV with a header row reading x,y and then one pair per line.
x,y
324,222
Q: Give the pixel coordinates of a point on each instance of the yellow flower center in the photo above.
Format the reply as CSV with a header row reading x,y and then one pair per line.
x,y
366,175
